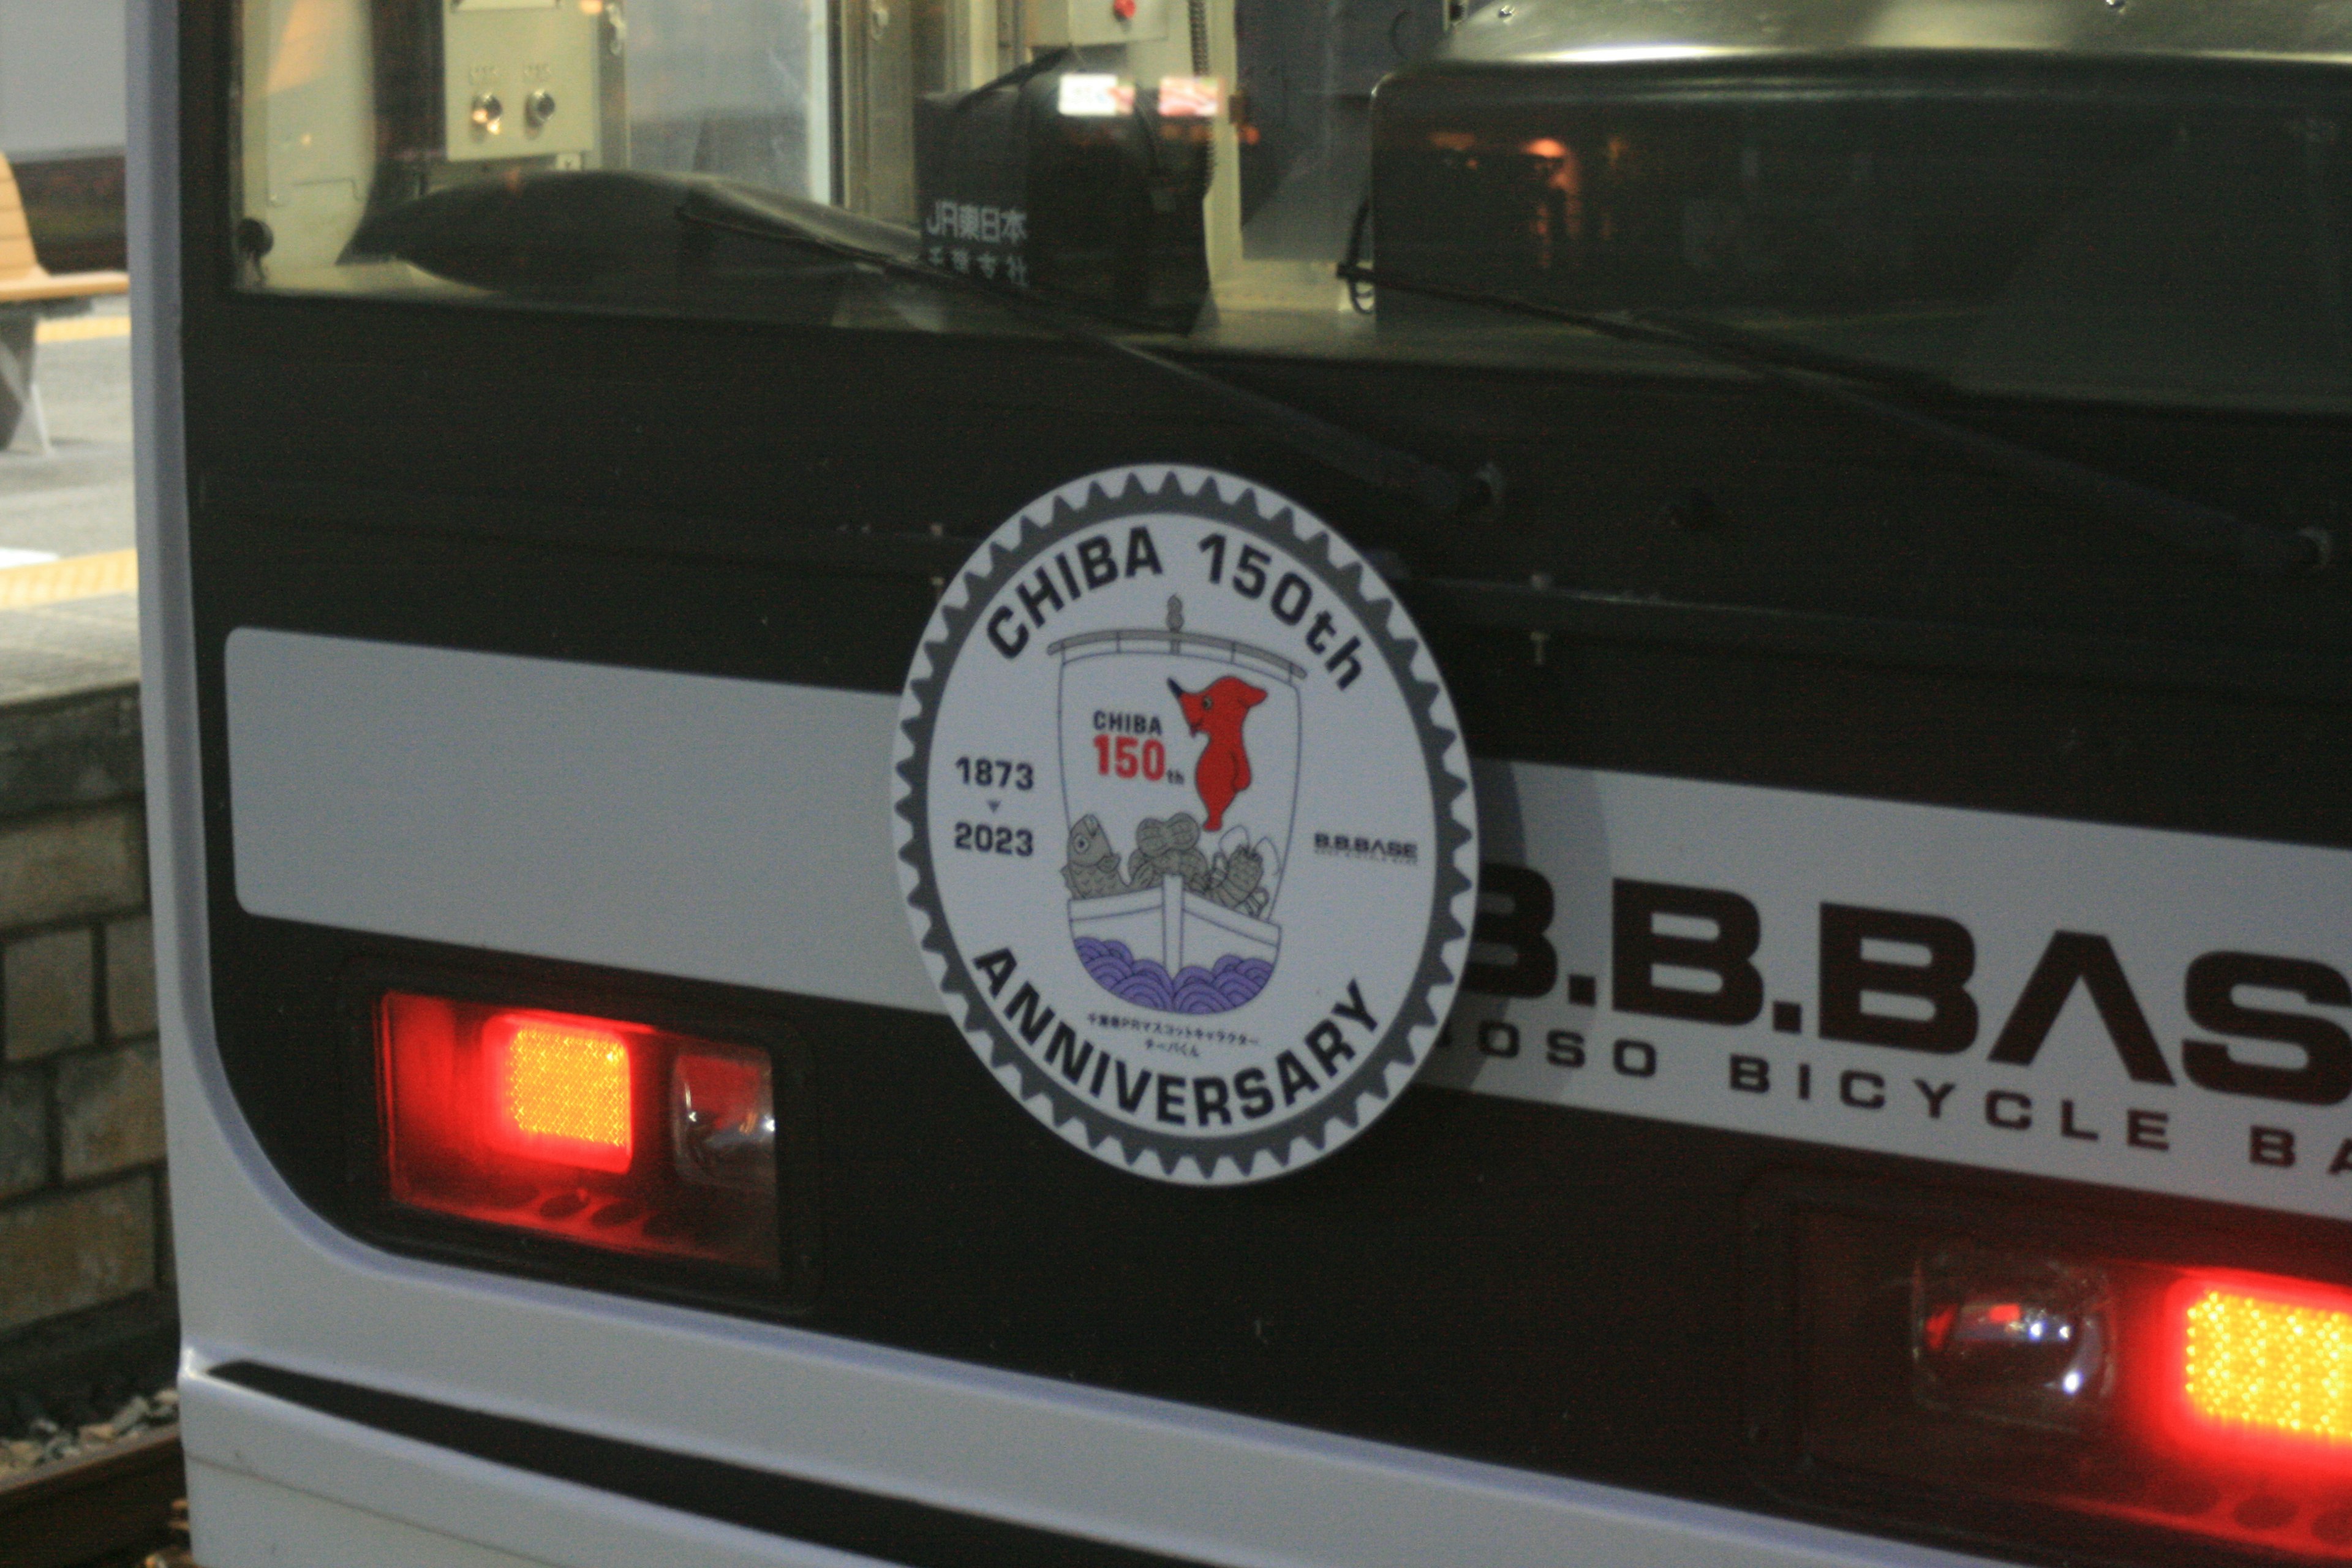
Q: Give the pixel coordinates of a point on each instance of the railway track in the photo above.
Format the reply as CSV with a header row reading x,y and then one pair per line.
x,y
99,1508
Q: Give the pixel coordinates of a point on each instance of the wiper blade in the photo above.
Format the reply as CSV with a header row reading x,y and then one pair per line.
x,y
759,215
1908,380
2208,532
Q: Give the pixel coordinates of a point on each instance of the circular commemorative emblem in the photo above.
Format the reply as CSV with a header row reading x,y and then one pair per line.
x,y
1184,824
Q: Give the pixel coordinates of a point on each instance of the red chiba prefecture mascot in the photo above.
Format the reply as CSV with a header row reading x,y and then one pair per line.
x,y
1217,711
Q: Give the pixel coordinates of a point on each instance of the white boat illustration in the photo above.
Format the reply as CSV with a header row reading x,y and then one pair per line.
x,y
1203,953
1173,880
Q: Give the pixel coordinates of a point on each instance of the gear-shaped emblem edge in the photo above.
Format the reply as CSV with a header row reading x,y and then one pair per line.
x,y
1256,1154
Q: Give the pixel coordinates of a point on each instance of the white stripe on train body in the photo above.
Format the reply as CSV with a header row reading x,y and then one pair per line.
x,y
1864,973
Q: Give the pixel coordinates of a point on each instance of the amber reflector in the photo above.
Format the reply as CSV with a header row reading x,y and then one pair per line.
x,y
2266,1361
561,1088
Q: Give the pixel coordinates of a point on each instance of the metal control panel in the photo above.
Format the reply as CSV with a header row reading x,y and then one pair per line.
x,y
521,79
1089,23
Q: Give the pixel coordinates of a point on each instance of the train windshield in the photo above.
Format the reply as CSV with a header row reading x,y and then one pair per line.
x,y
1391,179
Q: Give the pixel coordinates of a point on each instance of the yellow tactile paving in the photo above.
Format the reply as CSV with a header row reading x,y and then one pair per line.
x,y
80,329
76,577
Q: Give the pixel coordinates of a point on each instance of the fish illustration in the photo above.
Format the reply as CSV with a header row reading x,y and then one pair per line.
x,y
1092,870
1217,711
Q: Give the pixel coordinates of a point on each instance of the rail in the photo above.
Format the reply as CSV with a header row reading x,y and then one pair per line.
x,y
117,1499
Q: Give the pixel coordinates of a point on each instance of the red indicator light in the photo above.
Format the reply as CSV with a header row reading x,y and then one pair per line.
x,y
2266,1363
559,1088
605,1133
2210,1406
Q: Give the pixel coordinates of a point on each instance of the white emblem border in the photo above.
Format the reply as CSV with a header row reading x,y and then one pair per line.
x,y
1341,1112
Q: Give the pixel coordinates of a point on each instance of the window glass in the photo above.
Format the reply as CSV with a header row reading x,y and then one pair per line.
x,y
1517,184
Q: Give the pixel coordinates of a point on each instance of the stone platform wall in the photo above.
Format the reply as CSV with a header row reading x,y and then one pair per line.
x,y
84,1225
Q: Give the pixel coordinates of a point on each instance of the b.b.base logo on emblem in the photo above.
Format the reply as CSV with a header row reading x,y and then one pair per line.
x,y
1132,706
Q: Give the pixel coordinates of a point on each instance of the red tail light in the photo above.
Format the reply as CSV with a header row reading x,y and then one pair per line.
x,y
605,1132
2265,1367
2124,1392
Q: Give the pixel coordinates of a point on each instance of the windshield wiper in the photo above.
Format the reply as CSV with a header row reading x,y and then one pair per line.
x,y
2263,548
1435,489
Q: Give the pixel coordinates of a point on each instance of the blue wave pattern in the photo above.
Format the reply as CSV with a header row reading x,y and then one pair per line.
x,y
1219,988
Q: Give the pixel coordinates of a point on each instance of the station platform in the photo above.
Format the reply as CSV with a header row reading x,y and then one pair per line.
x,y
68,579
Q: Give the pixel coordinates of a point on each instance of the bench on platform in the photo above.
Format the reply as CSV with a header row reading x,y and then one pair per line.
x,y
28,292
